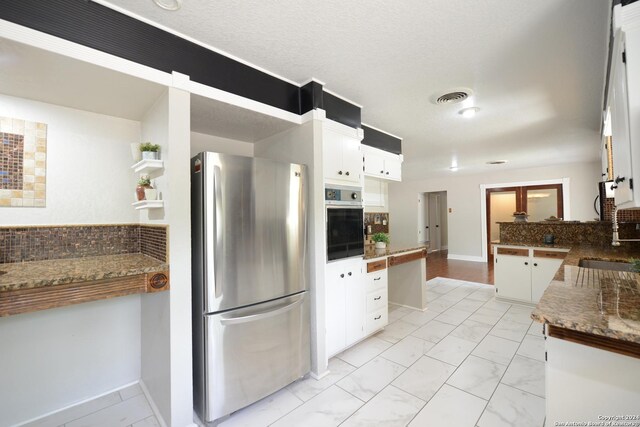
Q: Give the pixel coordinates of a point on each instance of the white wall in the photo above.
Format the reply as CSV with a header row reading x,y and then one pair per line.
x,y
202,142
54,358
380,188
464,198
57,357
304,145
89,180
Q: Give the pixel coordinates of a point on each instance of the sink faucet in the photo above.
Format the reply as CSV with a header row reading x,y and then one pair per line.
x,y
616,239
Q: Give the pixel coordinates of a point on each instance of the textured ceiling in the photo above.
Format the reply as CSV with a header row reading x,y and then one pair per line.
x,y
536,67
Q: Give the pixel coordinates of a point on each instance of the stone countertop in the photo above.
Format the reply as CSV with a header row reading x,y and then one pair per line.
x,y
532,245
599,302
370,252
37,274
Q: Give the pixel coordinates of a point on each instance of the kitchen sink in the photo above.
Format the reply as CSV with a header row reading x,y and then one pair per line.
x,y
605,265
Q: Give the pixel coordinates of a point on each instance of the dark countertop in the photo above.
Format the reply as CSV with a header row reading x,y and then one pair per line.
x,y
370,252
37,274
532,245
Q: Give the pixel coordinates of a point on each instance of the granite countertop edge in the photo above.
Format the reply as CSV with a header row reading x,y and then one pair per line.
x,y
38,274
371,253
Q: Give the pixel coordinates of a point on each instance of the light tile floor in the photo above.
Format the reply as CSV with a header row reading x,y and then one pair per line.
x,y
468,360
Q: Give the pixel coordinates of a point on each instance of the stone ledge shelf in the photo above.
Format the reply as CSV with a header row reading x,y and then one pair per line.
x,y
40,285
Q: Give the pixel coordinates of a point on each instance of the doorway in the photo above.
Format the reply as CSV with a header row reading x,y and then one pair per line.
x,y
432,220
538,201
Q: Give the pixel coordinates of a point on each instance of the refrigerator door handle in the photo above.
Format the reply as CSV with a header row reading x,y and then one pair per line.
x,y
212,200
262,315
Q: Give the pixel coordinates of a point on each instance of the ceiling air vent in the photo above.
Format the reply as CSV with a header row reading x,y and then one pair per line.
x,y
452,97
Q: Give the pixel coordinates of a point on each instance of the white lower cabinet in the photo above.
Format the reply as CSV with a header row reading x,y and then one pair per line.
x,y
356,301
523,274
345,304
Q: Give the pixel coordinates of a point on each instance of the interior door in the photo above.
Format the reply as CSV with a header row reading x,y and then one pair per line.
x,y
434,222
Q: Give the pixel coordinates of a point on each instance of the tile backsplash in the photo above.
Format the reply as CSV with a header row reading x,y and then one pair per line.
x,y
37,243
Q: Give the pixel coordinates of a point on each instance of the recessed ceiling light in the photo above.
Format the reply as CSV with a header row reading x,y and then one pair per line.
x,y
169,4
497,162
468,112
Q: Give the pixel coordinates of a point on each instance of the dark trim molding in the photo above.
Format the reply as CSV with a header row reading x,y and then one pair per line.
x,y
311,97
98,27
341,111
381,140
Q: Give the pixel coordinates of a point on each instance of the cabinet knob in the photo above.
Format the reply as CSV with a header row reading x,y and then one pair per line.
x,y
339,172
526,263
535,264
342,276
347,173
387,173
349,273
381,171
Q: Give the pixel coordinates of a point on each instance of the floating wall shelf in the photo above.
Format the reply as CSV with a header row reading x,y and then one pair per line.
x,y
147,165
148,204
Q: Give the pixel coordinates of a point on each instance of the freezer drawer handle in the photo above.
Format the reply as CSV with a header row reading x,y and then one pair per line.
x,y
260,316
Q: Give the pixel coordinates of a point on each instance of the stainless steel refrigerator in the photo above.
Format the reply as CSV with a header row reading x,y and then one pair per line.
x,y
250,270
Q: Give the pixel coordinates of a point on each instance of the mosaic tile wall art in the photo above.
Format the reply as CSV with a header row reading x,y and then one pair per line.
x,y
23,160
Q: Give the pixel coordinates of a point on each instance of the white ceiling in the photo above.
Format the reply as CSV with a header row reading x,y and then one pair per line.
x,y
36,74
536,67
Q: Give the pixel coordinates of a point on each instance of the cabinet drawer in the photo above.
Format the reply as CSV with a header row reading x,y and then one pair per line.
x,y
377,280
513,252
376,320
377,300
549,254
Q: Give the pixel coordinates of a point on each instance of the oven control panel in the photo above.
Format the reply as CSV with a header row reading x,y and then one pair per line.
x,y
343,195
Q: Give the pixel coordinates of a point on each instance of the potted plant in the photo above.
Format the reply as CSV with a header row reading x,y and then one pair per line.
x,y
149,150
381,239
143,183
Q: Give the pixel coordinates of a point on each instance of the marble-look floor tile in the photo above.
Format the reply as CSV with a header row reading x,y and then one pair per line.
x,y
131,391
364,351
482,294
77,411
308,387
147,422
519,314
420,318
450,407
389,408
532,346
510,407
471,330
119,415
453,316
397,312
536,329
441,304
485,315
329,408
462,291
395,331
452,350
468,305
496,349
494,305
366,381
407,351
510,330
264,411
526,374
424,378
478,376
433,331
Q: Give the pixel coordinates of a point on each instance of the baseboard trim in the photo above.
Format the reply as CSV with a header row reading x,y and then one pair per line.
x,y
406,306
64,408
464,258
318,377
153,405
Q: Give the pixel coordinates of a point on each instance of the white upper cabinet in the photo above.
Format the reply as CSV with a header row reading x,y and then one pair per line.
x,y
342,157
382,164
623,101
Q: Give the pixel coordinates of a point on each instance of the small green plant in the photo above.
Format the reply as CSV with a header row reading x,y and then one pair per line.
x,y
144,181
636,264
380,237
147,146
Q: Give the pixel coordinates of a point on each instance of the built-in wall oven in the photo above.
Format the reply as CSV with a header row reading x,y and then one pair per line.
x,y
345,222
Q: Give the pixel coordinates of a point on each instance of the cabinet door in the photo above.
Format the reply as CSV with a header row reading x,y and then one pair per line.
x,y
513,277
619,105
542,273
393,169
351,159
355,303
335,308
373,193
373,164
332,155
